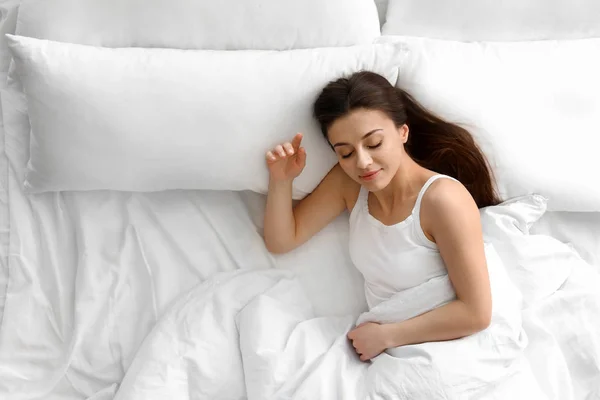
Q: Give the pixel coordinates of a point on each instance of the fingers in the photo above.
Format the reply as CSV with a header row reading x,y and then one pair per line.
x,y
296,141
288,149
282,151
361,356
279,151
270,156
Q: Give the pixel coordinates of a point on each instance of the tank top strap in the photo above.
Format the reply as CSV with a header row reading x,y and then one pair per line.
x,y
417,208
361,200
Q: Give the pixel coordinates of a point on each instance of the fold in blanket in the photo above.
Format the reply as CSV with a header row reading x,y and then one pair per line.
x,y
254,335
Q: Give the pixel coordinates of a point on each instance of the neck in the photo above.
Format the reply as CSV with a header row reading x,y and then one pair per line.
x,y
406,184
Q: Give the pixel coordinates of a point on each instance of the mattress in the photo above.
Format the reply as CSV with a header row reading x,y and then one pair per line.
x,y
90,274
85,277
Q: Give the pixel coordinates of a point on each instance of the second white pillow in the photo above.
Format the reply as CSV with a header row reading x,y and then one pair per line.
x,y
533,107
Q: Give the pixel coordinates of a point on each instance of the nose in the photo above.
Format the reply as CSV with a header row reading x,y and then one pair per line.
x,y
363,159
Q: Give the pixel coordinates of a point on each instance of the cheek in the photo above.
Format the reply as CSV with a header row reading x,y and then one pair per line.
x,y
348,167
391,155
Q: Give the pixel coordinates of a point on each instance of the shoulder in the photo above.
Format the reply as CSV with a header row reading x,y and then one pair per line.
x,y
346,186
444,194
447,203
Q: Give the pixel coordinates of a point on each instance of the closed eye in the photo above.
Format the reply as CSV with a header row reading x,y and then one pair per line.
x,y
347,155
375,146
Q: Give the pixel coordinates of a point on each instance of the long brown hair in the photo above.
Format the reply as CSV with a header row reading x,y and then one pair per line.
x,y
433,143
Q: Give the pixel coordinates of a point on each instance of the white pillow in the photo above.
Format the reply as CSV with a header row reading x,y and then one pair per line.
x,y
137,119
534,107
202,24
493,20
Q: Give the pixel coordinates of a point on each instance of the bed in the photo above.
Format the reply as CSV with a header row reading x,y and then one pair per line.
x,y
107,293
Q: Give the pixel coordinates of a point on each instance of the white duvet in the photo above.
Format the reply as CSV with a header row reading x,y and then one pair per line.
x,y
255,335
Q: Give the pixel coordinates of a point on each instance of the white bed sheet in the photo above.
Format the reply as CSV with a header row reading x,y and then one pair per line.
x,y
4,223
8,21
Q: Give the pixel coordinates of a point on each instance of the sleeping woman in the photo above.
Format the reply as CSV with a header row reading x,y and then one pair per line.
x,y
413,184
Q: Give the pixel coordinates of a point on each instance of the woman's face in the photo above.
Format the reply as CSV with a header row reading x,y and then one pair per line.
x,y
369,147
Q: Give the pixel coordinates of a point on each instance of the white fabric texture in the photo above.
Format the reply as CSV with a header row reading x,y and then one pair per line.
x,y
219,25
539,265
281,349
492,20
8,20
552,277
533,107
579,230
135,119
273,346
8,23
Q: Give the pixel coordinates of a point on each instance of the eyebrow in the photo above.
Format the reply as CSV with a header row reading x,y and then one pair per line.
x,y
366,135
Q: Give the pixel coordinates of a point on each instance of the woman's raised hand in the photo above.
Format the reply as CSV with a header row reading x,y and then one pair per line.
x,y
286,161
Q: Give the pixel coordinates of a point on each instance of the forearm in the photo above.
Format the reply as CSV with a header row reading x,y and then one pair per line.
x,y
280,225
451,321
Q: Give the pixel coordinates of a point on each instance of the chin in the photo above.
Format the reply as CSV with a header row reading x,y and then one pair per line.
x,y
375,185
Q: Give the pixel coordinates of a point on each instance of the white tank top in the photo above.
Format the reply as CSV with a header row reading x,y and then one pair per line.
x,y
395,257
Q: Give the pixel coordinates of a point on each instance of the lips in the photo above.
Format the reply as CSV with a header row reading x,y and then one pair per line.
x,y
370,175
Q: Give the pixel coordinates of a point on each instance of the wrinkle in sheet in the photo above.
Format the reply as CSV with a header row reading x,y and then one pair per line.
x,y
240,252
93,284
149,214
60,360
146,264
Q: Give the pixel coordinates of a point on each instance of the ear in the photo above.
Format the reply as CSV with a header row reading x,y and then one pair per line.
x,y
403,131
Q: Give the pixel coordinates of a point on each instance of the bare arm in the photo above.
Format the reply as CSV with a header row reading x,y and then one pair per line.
x,y
286,228
451,217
